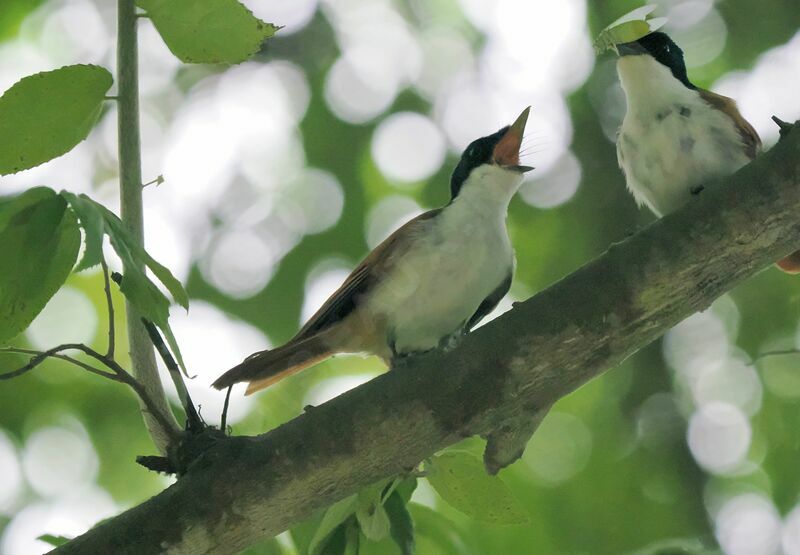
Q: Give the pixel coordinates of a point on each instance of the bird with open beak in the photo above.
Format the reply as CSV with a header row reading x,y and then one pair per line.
x,y
429,282
675,136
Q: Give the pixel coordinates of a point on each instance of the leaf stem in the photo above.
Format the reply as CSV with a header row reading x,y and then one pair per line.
x,y
110,305
130,168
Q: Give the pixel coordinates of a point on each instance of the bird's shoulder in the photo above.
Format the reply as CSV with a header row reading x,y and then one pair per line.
x,y
727,105
364,277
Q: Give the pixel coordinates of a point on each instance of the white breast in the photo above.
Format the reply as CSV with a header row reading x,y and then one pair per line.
x,y
671,140
461,258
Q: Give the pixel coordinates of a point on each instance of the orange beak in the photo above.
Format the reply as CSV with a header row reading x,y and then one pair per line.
x,y
506,152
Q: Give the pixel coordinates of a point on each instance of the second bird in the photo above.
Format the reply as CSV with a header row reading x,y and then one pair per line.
x,y
675,136
431,280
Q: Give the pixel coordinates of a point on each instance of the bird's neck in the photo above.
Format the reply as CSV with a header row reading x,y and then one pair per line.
x,y
650,85
487,192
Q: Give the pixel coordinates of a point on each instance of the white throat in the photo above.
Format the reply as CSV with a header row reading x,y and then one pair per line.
x,y
650,84
488,189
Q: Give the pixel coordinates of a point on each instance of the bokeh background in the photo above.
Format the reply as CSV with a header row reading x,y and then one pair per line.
x,y
282,172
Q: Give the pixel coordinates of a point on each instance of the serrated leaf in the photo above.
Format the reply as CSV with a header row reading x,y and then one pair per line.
x,y
208,31
93,228
335,515
460,479
45,115
55,541
39,243
401,525
371,515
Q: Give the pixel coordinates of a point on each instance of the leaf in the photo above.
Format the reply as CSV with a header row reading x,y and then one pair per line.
x,y
136,286
628,28
371,515
208,31
460,479
401,525
55,541
335,515
45,115
92,223
433,528
39,241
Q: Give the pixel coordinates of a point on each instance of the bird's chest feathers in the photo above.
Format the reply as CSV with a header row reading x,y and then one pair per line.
x,y
460,260
671,141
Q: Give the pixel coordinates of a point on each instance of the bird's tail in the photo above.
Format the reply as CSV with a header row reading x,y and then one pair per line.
x,y
265,368
790,264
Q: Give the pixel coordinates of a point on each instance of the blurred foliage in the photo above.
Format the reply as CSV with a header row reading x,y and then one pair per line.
x,y
610,485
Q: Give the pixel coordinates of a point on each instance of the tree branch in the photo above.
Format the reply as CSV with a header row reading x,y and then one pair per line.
x,y
242,489
143,359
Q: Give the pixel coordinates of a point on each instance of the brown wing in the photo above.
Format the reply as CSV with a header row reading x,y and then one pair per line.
x,y
750,138
362,279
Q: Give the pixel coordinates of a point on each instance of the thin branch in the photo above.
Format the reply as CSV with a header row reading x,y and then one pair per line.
x,y
76,362
777,353
143,361
223,424
39,357
193,421
110,308
118,374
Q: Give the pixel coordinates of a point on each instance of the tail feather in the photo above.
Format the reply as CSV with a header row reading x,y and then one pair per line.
x,y
790,264
268,367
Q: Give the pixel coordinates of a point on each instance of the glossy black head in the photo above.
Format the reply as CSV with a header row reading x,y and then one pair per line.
x,y
663,49
479,152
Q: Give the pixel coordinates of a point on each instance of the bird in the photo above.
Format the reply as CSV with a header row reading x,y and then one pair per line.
x,y
676,136
426,285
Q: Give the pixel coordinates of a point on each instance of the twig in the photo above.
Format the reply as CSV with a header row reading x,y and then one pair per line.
x,y
110,305
784,126
157,181
193,421
39,357
224,420
117,374
769,354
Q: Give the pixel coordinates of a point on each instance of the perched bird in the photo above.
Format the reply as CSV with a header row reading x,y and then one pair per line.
x,y
432,280
676,136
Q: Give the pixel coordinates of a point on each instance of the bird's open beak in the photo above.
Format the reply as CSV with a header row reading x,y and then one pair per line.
x,y
630,49
506,152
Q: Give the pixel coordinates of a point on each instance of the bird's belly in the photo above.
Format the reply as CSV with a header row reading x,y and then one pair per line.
x,y
666,160
434,290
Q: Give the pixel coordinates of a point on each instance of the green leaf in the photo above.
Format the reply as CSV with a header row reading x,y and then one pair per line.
x,y
434,529
208,31
628,28
401,525
55,541
371,515
335,515
39,243
143,294
46,114
460,479
92,223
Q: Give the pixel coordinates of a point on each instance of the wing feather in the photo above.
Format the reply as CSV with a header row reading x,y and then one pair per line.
x,y
361,280
750,138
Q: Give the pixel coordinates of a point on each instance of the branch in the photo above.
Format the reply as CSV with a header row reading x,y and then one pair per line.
x,y
117,374
143,359
242,489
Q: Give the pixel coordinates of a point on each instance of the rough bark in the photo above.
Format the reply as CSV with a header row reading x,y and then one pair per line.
x,y
245,488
